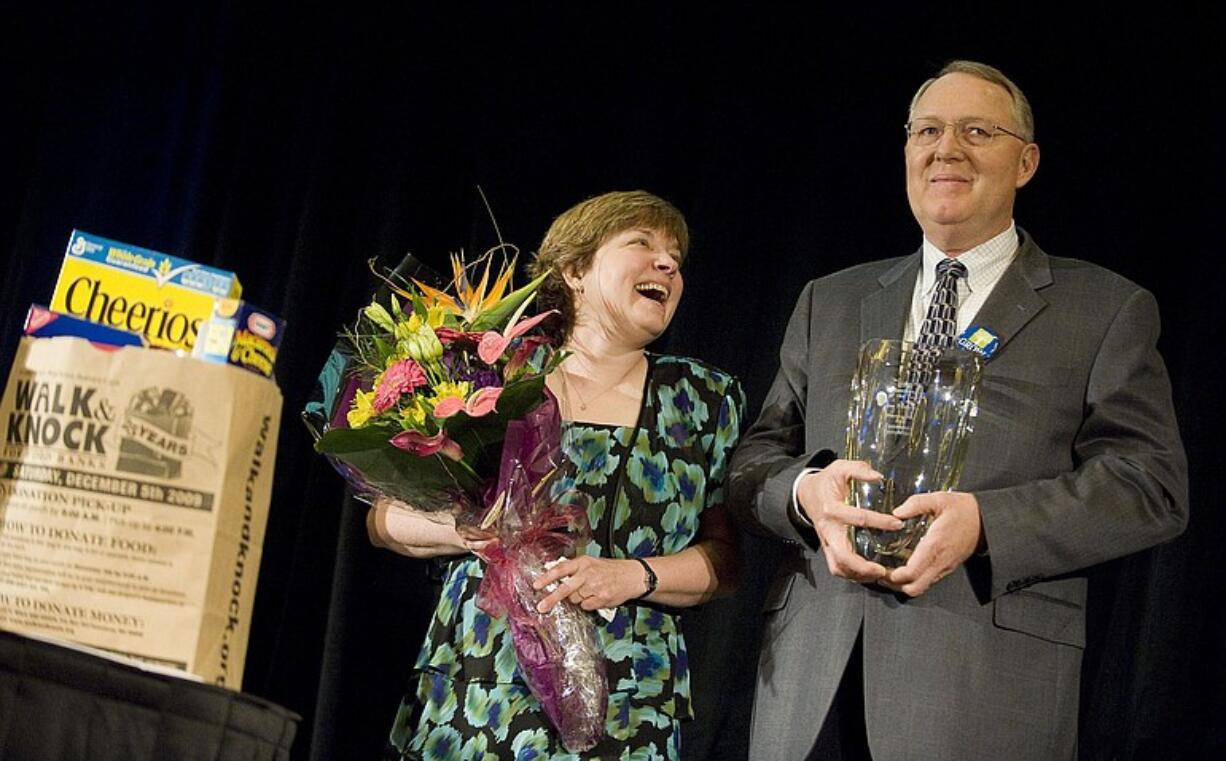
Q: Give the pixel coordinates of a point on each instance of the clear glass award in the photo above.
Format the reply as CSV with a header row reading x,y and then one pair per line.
x,y
911,414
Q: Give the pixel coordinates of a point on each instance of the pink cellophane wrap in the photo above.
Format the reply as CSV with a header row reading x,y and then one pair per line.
x,y
558,652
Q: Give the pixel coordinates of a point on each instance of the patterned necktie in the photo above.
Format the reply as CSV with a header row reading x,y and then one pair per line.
x,y
941,322
936,334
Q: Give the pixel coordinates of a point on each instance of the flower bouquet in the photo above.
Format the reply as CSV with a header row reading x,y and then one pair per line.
x,y
422,386
436,396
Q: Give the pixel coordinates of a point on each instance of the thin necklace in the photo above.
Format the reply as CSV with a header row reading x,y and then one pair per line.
x,y
584,403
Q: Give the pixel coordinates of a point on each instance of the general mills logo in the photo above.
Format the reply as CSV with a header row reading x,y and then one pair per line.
x,y
81,246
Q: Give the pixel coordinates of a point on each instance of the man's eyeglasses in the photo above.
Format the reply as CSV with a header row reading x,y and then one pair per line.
x,y
971,133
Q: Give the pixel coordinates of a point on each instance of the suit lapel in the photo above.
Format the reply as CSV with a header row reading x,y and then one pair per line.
x,y
883,313
1014,301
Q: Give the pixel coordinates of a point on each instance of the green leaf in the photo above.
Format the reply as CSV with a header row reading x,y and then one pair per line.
x,y
383,350
495,317
555,359
339,441
520,397
409,477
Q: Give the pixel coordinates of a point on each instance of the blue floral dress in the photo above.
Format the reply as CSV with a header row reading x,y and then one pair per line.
x,y
647,486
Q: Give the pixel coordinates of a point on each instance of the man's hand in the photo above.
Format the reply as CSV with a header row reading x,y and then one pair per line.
x,y
822,497
953,534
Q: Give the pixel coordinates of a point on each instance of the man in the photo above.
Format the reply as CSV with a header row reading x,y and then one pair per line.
x,y
971,650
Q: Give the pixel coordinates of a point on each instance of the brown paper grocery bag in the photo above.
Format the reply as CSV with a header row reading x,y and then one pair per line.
x,y
134,492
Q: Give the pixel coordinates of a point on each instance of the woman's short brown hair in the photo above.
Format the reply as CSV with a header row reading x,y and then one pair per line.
x,y
572,240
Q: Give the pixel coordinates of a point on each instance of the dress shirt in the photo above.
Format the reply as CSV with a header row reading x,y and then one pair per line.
x,y
985,264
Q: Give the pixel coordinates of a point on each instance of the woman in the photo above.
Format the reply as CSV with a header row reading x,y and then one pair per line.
x,y
650,436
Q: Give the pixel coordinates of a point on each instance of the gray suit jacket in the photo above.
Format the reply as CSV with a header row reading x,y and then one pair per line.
x,y
1075,460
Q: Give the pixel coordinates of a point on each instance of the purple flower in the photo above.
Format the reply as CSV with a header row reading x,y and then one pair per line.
x,y
482,378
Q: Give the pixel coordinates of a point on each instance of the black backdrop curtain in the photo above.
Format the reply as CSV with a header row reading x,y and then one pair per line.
x,y
292,144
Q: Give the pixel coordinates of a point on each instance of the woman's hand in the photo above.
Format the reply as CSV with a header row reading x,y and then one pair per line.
x,y
401,528
706,569
594,583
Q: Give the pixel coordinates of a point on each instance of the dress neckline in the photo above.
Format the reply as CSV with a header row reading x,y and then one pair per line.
x,y
643,401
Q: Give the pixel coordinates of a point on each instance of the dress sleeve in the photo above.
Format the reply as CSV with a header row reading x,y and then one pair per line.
x,y
724,440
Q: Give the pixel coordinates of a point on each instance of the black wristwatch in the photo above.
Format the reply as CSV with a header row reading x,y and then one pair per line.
x,y
651,578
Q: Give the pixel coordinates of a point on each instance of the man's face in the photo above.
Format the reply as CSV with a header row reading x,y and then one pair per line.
x,y
962,196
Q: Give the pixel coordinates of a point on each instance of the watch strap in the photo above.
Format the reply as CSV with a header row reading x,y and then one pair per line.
x,y
650,578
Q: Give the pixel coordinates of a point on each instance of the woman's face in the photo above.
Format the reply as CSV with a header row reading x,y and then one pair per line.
x,y
632,286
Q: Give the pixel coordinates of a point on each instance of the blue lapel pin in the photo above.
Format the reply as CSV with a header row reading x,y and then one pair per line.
x,y
979,340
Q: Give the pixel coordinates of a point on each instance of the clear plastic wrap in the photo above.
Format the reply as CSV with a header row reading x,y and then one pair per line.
x,y
558,652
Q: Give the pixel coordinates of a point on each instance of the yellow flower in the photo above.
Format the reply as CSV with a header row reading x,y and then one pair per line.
x,y
445,390
408,327
414,415
362,410
416,326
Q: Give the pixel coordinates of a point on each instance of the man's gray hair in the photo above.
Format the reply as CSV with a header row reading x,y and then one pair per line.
x,y
1021,107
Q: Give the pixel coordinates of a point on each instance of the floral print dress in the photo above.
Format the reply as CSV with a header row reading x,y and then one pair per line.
x,y
647,486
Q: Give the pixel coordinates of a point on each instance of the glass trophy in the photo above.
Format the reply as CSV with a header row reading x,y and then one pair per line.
x,y
911,414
